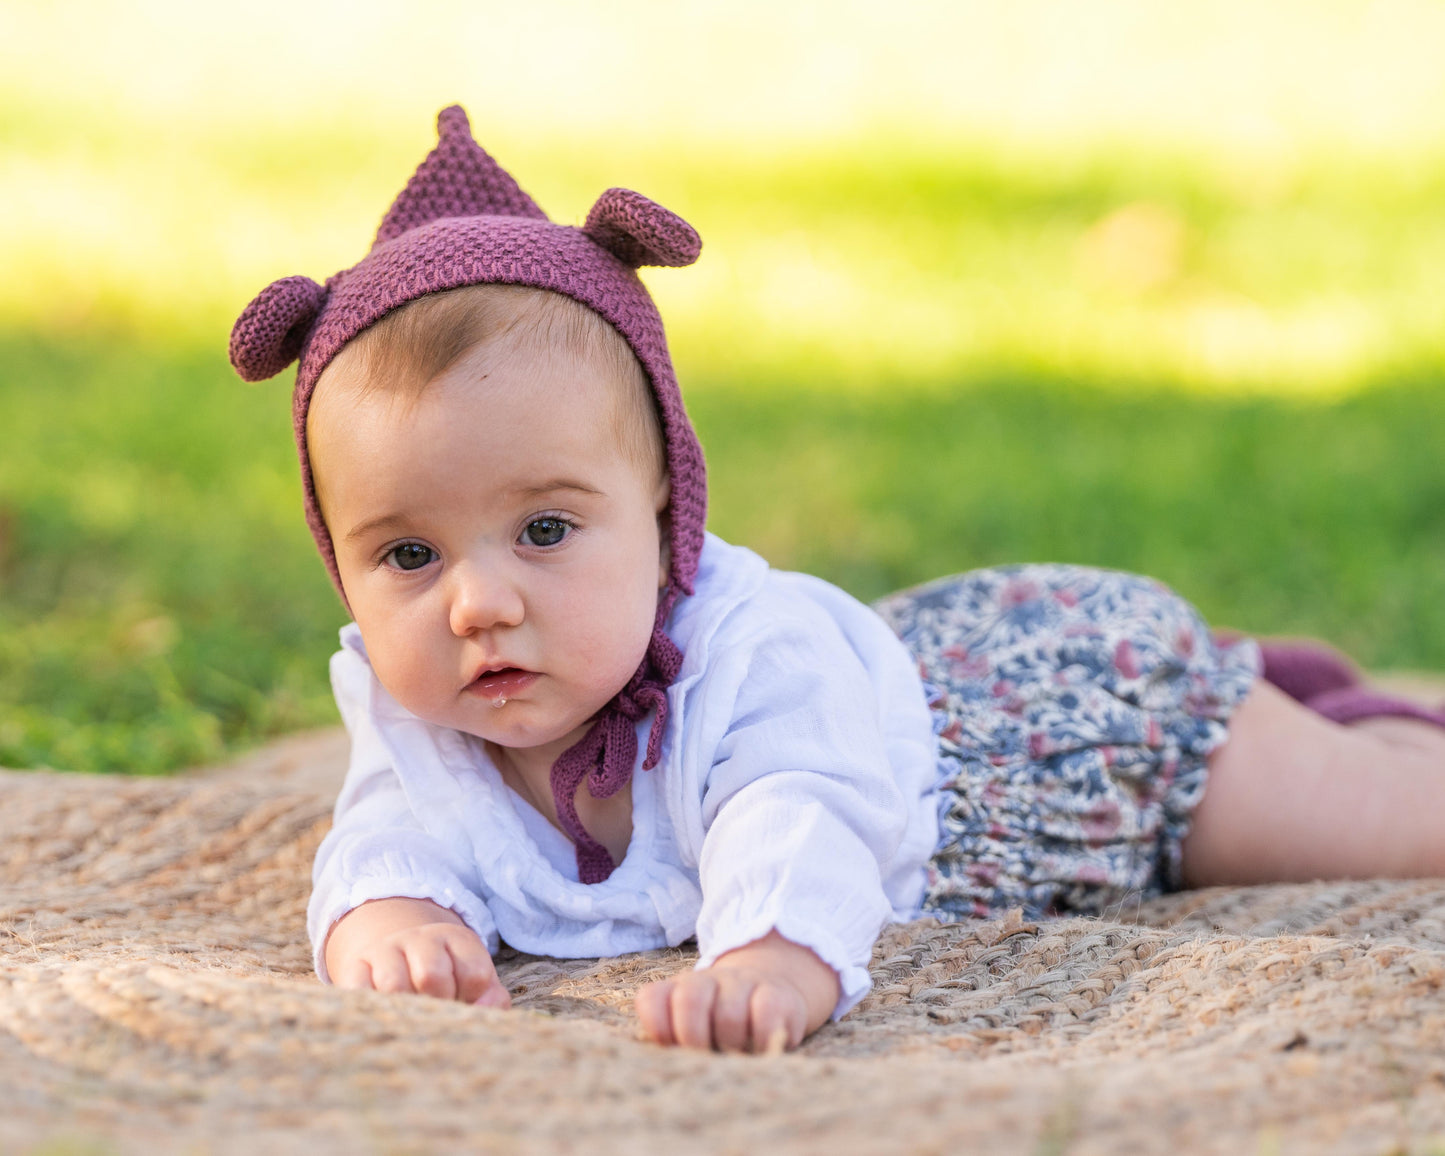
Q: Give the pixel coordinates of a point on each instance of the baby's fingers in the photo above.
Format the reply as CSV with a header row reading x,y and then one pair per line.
x,y
654,1011
390,969
679,1011
476,975
779,1018
354,974
731,1014
430,967
691,1004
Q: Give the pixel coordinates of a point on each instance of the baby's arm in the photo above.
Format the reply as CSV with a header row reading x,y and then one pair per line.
x,y
765,996
395,904
799,815
401,944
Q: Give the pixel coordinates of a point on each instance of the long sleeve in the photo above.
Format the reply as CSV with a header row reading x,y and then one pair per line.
x,y
801,810
378,847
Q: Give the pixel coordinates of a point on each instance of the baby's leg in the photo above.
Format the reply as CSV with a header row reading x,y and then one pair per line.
x,y
1292,796
1405,732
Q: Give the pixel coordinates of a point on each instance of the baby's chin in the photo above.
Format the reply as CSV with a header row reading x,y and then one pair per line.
x,y
532,739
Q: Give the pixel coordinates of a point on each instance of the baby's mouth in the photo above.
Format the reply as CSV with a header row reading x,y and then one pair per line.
x,y
500,684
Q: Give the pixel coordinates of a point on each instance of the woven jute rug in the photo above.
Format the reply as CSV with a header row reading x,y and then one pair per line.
x,y
156,996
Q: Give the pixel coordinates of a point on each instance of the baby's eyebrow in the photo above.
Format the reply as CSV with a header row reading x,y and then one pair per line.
x,y
399,521
551,487
371,525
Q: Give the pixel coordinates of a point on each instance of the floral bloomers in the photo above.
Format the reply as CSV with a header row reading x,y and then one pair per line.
x,y
1075,710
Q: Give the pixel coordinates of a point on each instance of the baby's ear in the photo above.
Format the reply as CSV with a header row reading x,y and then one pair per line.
x,y
641,232
269,334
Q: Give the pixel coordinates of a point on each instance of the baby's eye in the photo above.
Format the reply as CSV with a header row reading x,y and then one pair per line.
x,y
411,556
545,531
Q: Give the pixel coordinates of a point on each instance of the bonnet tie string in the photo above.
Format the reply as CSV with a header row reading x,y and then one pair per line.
x,y
606,754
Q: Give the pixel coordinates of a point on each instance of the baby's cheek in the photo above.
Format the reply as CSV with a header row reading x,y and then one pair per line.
x,y
616,643
404,666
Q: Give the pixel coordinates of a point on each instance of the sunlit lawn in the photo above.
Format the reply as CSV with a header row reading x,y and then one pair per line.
x,y
163,603
908,350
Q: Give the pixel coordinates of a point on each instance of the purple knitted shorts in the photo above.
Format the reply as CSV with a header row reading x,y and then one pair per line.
x,y
1075,710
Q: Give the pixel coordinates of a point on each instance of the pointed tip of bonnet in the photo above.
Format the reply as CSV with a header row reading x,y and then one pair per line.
x,y
452,121
458,178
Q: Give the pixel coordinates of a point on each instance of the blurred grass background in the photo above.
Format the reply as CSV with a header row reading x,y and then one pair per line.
x,y
1158,287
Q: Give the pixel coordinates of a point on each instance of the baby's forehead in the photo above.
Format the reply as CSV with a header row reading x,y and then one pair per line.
x,y
494,373
555,350
545,394
613,395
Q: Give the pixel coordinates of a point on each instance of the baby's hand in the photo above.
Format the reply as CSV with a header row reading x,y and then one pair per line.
x,y
764,997
412,945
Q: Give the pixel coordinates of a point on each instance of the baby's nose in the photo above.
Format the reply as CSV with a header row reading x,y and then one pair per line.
x,y
483,600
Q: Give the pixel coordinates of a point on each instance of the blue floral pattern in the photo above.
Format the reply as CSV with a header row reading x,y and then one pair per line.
x,y
1075,709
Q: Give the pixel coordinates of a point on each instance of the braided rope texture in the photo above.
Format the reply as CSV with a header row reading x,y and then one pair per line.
x,y
156,997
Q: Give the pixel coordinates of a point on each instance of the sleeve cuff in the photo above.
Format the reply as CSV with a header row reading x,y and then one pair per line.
x,y
854,981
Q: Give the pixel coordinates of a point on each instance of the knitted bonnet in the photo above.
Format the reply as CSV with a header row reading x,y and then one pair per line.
x,y
463,220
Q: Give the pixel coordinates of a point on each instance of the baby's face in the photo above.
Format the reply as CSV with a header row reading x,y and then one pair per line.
x,y
501,555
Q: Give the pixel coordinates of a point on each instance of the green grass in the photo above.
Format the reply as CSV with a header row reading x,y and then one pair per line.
x,y
161,603
1272,515
159,607
907,354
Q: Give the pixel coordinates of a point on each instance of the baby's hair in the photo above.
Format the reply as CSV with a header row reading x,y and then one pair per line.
x,y
409,348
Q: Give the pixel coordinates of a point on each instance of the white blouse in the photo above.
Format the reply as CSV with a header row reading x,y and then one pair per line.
x,y
795,793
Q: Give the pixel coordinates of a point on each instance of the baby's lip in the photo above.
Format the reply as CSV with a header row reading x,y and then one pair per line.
x,y
501,682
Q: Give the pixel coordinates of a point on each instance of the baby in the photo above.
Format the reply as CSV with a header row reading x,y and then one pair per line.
x,y
583,725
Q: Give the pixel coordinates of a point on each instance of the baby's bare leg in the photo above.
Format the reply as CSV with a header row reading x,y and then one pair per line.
x,y
1293,796
1405,732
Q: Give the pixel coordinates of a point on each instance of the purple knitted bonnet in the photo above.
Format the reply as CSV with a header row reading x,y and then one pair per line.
x,y
462,220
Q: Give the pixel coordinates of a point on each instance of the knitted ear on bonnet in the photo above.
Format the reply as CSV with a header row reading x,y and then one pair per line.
x,y
463,220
